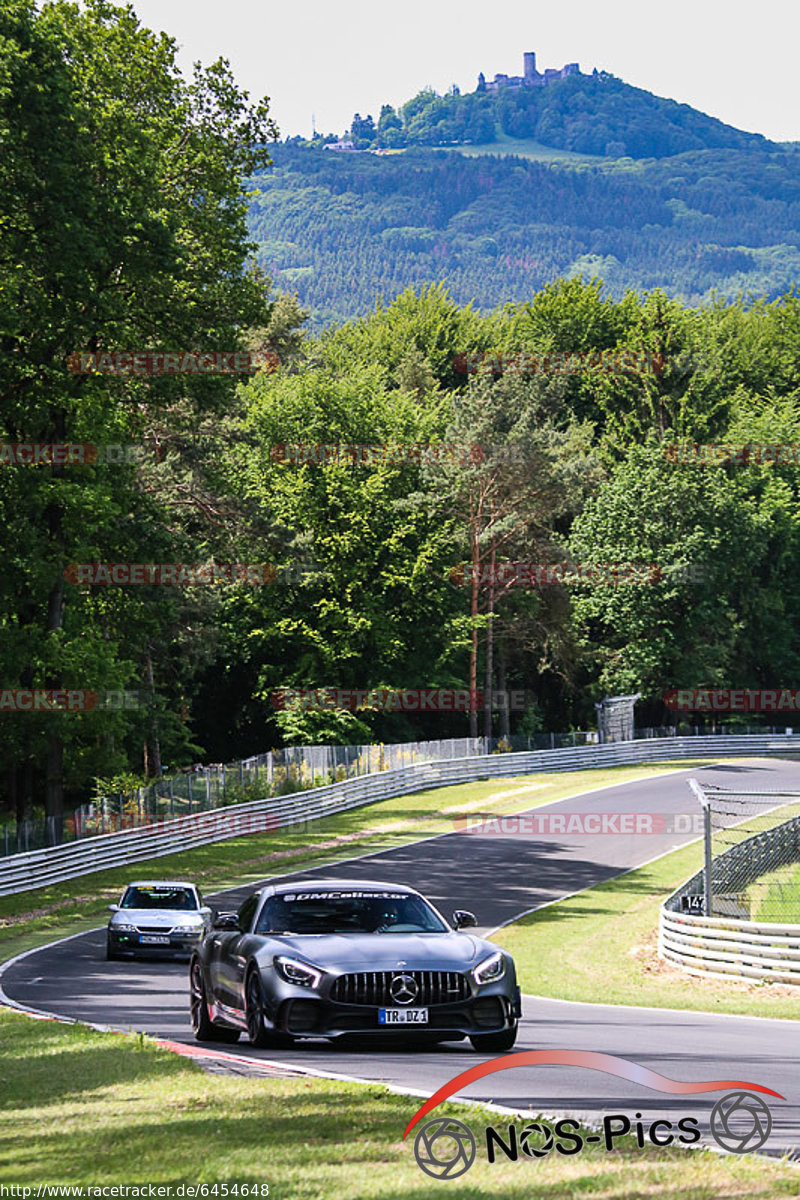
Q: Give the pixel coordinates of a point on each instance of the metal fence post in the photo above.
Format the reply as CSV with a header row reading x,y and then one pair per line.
x,y
705,802
709,891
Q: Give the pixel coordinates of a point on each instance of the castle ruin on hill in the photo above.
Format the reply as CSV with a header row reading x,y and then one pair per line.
x,y
530,77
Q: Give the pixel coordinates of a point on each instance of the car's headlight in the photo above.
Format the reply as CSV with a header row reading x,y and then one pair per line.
x,y
123,927
299,973
490,969
187,929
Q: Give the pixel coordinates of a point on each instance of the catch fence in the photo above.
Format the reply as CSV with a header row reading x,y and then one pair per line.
x,y
740,915
292,769
39,867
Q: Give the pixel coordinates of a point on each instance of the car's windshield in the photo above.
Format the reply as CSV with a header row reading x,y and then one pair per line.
x,y
181,898
348,912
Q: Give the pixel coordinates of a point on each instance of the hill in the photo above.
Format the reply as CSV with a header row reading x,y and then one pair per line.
x,y
343,229
595,114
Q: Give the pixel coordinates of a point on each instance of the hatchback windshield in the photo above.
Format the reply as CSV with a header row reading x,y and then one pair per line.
x,y
160,897
348,912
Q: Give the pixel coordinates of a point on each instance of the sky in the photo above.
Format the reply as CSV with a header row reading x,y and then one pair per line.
x,y
327,59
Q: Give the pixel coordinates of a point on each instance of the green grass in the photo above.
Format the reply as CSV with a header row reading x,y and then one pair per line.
x,y
776,896
524,148
600,947
29,919
84,1108
753,823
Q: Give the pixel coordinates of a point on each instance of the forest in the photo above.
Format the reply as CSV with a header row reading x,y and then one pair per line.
x,y
130,229
342,230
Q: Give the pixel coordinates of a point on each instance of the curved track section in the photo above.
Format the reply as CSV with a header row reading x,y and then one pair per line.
x,y
500,877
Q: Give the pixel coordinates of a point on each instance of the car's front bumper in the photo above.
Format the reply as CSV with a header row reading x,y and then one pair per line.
x,y
137,943
313,1016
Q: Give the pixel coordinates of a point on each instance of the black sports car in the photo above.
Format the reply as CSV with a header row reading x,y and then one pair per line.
x,y
334,958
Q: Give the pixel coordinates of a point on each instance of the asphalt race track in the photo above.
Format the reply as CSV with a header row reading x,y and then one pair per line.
x,y
498,877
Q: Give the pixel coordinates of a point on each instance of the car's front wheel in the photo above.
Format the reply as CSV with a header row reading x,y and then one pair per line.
x,y
260,1036
111,954
493,1043
204,1028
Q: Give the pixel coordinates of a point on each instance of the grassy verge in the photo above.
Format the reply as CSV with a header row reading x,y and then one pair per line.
x,y
776,896
32,918
600,947
83,1108
525,148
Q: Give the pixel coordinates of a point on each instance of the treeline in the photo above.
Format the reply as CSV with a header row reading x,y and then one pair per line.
x,y
105,249
341,230
590,114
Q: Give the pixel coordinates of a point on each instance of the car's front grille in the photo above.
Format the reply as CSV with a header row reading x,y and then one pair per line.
x,y
152,929
374,987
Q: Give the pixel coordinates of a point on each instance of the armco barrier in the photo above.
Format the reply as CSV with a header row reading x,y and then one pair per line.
x,y
22,872
730,947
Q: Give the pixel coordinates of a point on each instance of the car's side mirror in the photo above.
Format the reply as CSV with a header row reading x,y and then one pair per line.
x,y
463,919
226,920
205,911
113,908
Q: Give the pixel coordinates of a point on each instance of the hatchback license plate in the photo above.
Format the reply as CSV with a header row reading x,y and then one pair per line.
x,y
154,941
402,1016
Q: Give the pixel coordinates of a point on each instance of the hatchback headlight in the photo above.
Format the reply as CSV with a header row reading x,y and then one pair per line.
x,y
123,927
186,929
299,973
490,969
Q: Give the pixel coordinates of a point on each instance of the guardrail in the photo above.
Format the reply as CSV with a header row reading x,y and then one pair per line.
x,y
23,872
726,948
729,947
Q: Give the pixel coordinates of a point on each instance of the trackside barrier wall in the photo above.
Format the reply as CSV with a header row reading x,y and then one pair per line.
x,y
727,947
23,872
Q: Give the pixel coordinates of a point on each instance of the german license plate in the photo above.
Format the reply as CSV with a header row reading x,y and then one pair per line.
x,y
402,1016
152,940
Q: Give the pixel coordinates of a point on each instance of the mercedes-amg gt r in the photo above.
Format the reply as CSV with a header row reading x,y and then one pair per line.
x,y
345,958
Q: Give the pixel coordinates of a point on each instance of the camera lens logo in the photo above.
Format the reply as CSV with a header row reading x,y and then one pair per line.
x,y
536,1140
444,1148
740,1122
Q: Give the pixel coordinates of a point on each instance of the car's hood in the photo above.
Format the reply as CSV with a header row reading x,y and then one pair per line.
x,y
382,951
161,918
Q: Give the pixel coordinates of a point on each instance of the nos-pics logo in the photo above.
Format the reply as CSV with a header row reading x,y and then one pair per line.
x,y
446,1148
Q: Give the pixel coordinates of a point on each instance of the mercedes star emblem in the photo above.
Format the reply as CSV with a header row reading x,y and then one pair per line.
x,y
404,989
